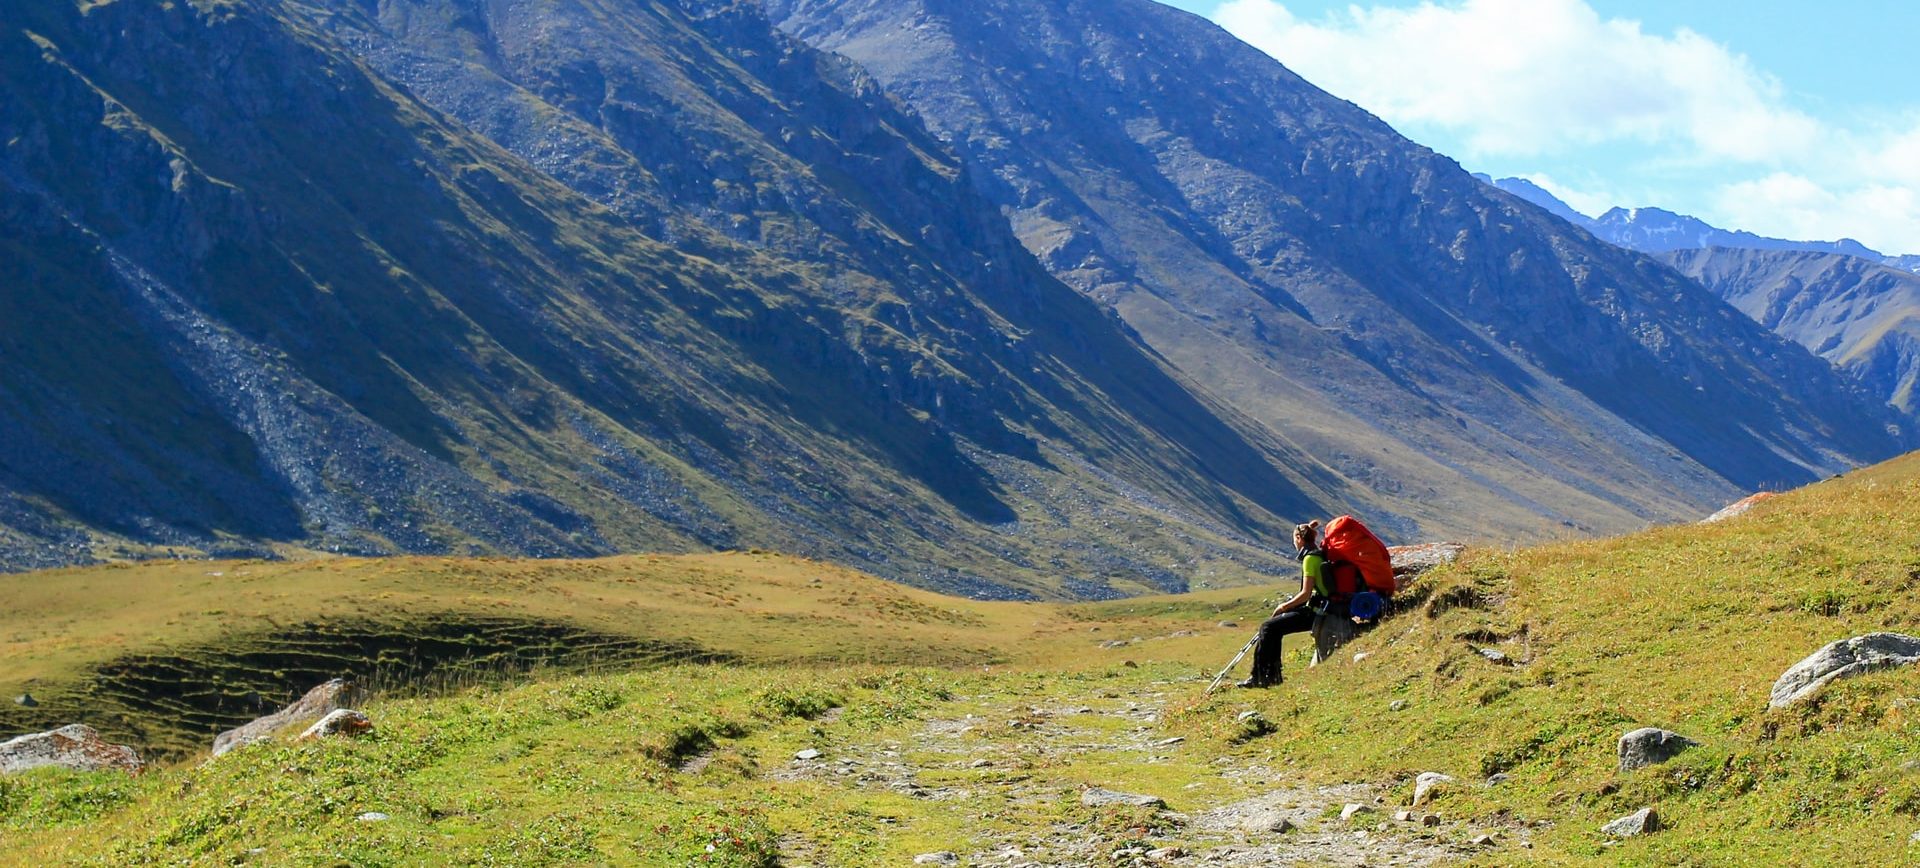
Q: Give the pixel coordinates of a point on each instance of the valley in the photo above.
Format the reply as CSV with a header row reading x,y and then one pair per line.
x,y
980,729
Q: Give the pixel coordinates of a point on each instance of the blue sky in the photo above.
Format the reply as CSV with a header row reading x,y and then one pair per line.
x,y
1763,115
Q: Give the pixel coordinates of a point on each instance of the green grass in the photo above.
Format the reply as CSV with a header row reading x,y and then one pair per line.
x,y
1683,627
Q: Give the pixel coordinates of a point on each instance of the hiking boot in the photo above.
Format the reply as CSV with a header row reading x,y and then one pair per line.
x,y
1251,683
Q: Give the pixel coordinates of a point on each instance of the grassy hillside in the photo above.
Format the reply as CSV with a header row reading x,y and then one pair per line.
x,y
1684,628
987,742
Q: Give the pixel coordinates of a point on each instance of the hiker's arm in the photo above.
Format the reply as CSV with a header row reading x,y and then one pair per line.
x,y
1298,600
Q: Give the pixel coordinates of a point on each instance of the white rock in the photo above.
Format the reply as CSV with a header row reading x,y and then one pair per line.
x,y
1639,822
1425,784
1844,659
1272,822
74,746
373,817
1353,809
1097,796
944,857
316,704
808,754
340,721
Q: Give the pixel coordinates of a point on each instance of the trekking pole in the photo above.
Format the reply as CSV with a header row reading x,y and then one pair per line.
x,y
1236,661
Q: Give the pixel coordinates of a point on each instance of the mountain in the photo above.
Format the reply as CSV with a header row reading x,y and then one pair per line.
x,y
1652,230
1538,195
1849,304
1455,350
1862,316
561,279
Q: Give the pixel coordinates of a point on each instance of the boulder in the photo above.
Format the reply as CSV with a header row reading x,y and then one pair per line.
x,y
1425,784
1739,507
944,857
318,703
340,721
26,700
74,746
1639,822
1098,797
1354,809
1267,822
1844,659
808,754
1649,746
1413,560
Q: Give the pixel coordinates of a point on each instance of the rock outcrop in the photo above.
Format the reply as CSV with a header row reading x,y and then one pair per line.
x,y
340,722
1098,797
1413,560
1650,746
319,702
1739,507
1425,785
1844,659
74,746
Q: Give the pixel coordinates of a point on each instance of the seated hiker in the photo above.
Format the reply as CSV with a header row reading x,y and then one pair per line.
x,y
1335,601
1296,615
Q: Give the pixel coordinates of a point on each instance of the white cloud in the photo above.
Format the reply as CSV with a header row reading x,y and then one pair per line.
x,y
1524,77
1542,81
1791,206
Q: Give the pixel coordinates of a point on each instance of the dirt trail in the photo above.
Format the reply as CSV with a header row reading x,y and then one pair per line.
x,y
1003,760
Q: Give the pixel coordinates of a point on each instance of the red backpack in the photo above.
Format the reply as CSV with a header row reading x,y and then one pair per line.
x,y
1357,560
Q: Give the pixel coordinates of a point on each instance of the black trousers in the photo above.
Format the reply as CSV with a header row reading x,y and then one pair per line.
x,y
1266,652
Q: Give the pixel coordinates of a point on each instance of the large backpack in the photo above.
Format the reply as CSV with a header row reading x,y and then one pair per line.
x,y
1356,560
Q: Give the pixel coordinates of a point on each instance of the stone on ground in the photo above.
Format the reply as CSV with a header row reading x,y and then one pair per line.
x,y
1844,659
26,700
74,746
1425,784
808,754
373,817
1639,822
944,857
1354,809
318,703
1650,746
1416,559
1098,797
339,722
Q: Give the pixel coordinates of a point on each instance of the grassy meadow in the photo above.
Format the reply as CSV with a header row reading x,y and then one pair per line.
x,y
970,727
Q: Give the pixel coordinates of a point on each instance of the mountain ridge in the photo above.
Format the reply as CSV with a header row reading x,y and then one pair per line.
x,y
1334,241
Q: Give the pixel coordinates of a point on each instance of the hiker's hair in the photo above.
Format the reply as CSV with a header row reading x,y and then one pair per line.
x,y
1305,533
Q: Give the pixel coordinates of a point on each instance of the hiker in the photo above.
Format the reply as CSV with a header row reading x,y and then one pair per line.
x,y
1296,615
1331,593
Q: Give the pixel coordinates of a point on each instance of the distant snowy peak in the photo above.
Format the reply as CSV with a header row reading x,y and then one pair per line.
x,y
1657,230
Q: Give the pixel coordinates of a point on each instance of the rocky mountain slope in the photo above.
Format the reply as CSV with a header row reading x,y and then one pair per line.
x,y
453,278
1860,315
519,277
1851,305
1461,354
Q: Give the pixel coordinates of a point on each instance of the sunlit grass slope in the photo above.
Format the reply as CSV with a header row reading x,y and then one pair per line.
x,y
1684,628
228,639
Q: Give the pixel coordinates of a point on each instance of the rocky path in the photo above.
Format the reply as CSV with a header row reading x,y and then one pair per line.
x,y
1101,783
